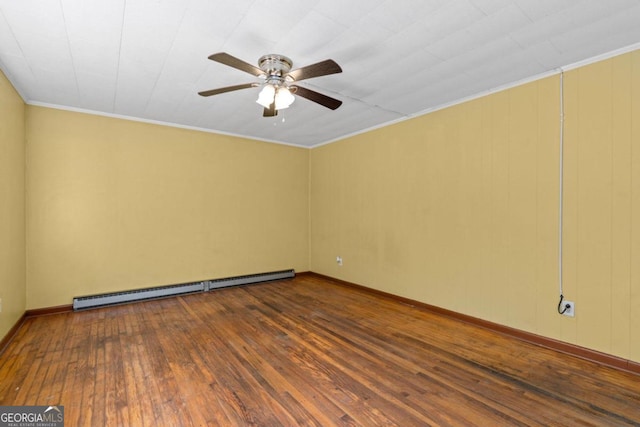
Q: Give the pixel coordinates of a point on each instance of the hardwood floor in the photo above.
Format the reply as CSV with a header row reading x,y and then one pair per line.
x,y
295,353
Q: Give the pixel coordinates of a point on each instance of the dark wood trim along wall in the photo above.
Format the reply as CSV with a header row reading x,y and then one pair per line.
x,y
49,310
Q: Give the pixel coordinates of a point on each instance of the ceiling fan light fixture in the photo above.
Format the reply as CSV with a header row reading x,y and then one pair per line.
x,y
283,98
266,96
279,83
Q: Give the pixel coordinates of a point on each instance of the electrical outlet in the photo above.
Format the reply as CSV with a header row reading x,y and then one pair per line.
x,y
569,308
339,260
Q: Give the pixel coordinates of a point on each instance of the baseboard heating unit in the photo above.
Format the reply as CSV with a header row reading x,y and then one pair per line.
x,y
115,298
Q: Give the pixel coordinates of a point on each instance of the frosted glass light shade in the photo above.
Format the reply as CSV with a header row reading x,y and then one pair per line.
x,y
284,98
266,96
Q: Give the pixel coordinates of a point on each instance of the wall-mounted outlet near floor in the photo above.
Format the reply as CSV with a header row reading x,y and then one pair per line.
x,y
339,260
569,308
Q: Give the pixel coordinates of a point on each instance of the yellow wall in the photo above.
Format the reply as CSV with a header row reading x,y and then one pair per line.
x,y
459,208
116,205
602,206
12,225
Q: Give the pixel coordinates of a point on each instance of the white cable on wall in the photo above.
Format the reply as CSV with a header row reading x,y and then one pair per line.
x,y
561,182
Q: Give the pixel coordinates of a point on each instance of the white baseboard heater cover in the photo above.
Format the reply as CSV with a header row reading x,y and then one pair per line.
x,y
115,298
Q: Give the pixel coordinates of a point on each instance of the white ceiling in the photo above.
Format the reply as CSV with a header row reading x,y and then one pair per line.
x,y
147,59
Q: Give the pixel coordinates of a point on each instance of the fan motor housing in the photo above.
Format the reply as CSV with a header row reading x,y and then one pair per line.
x,y
275,65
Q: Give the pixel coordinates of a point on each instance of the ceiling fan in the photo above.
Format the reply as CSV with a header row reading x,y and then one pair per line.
x,y
279,85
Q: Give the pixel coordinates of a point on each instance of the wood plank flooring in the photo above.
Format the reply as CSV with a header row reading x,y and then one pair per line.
x,y
303,352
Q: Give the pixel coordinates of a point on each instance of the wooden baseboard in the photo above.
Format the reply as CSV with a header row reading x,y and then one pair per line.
x,y
550,343
49,310
4,342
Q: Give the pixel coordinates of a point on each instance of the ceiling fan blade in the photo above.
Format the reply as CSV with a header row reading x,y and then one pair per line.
x,y
312,95
271,111
227,89
322,68
239,64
